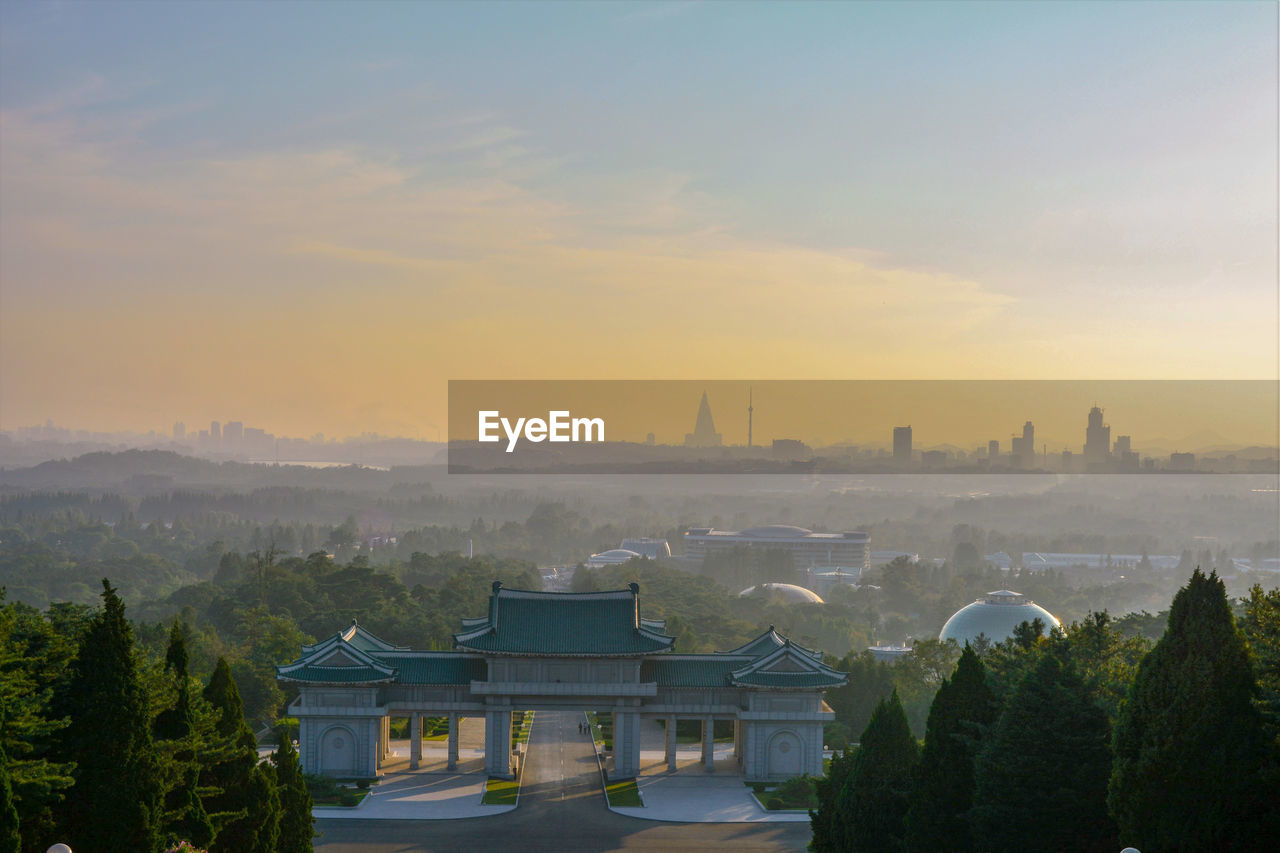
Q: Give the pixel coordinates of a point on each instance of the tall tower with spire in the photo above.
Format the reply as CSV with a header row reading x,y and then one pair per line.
x,y
704,431
750,413
1097,439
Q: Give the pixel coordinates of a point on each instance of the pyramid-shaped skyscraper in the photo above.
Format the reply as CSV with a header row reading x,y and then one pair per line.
x,y
704,431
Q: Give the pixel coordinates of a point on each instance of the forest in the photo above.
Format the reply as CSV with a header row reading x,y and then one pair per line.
x,y
216,574
1085,740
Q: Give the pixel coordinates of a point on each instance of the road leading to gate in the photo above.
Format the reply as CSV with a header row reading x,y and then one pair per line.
x,y
561,785
561,809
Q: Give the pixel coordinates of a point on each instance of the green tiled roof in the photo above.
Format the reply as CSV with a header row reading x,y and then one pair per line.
x,y
551,623
798,680
338,675
436,668
768,643
690,671
790,666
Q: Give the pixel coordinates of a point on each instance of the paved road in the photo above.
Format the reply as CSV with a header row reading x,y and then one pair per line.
x,y
561,808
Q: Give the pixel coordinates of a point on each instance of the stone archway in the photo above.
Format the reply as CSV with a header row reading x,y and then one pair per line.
x,y
785,756
338,752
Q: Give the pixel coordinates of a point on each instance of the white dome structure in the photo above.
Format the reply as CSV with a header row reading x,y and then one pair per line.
x,y
995,615
790,593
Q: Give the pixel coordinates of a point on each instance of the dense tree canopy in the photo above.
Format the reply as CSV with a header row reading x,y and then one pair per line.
x,y
942,794
872,804
1040,781
115,802
1194,767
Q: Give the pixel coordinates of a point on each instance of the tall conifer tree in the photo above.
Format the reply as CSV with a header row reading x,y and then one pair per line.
x,y
828,830
1194,768
938,815
1040,781
185,818
245,809
873,802
115,802
296,823
10,838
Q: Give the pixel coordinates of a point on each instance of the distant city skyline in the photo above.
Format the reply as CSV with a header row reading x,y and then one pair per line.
x,y
1095,444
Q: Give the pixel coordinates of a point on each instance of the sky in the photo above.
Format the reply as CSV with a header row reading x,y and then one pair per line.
x,y
310,217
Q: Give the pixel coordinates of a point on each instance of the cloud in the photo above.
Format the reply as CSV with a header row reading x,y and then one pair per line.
x,y
291,279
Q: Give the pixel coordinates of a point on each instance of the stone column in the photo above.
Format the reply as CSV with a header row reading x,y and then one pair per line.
x,y
626,745
737,741
497,743
671,744
453,740
709,744
306,755
415,740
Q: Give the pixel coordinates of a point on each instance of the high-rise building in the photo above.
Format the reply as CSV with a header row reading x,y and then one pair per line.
x,y
993,450
751,409
1123,454
704,431
233,433
902,444
215,432
179,431
1097,440
1023,449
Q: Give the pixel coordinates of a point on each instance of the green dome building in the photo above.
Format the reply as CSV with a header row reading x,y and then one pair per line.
x,y
995,615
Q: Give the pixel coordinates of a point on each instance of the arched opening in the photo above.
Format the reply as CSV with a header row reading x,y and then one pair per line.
x,y
786,756
338,752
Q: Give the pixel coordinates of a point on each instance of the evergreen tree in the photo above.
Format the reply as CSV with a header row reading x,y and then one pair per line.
x,y
115,802
869,682
34,658
263,812
184,818
237,807
1040,781
938,814
828,832
296,822
10,838
1261,625
873,803
1193,764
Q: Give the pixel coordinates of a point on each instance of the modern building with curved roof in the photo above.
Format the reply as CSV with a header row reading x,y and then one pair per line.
x,y
807,549
612,557
994,616
559,651
790,593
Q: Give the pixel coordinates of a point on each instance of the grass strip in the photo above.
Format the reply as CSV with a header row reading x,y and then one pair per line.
x,y
501,792
353,796
623,793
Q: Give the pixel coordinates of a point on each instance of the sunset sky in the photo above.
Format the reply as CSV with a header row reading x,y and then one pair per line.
x,y
309,217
